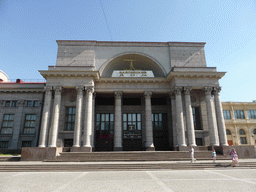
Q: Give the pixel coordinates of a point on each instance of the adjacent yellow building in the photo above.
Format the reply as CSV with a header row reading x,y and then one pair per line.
x,y
240,121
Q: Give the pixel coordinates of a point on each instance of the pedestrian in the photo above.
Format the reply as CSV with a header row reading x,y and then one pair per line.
x,y
192,153
234,157
213,155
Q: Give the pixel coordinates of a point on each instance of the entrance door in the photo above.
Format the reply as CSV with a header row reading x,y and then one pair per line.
x,y
132,140
160,131
104,132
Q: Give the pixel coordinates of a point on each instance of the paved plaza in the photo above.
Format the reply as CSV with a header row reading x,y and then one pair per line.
x,y
223,179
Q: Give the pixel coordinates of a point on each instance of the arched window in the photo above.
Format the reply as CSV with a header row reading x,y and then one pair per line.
x,y
241,132
242,137
228,132
254,131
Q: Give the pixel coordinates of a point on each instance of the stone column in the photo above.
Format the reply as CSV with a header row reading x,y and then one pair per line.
x,y
88,122
45,117
220,117
149,127
174,128
93,120
179,118
118,122
189,118
17,124
79,105
212,124
55,117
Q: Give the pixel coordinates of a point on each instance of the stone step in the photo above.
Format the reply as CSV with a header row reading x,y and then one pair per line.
x,y
116,166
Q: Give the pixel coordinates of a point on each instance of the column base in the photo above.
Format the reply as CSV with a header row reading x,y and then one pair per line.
x,y
150,149
86,149
118,148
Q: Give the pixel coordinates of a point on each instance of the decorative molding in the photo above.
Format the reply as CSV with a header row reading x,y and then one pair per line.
x,y
216,90
79,88
21,103
187,90
47,88
177,90
148,94
208,90
89,89
57,89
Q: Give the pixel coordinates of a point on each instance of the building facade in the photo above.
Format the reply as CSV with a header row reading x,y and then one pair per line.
x,y
118,96
240,120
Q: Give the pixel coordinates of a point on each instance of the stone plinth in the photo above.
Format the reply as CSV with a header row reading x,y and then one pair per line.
x,y
243,152
81,149
39,154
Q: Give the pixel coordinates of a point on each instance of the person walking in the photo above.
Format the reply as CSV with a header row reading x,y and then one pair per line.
x,y
192,153
213,155
234,157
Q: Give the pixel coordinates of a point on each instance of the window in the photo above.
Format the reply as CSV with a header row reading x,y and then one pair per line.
x,y
30,124
7,103
29,103
4,144
35,104
14,103
228,132
199,141
254,131
7,124
70,118
196,118
239,114
242,136
132,125
104,125
252,114
226,114
26,143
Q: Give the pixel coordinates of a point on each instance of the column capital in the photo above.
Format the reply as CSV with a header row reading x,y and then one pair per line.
x,y
216,90
118,94
208,90
89,89
177,90
187,90
57,89
79,88
148,94
47,89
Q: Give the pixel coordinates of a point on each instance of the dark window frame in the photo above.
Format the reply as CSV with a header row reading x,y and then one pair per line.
x,y
251,114
197,118
29,124
239,114
226,114
70,118
9,123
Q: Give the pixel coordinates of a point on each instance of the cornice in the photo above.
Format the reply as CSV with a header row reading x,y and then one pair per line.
x,y
196,75
46,74
11,90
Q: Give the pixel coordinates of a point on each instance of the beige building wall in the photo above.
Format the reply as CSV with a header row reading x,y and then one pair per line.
x,y
236,124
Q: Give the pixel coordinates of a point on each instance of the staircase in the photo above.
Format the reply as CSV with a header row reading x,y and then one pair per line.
x,y
132,156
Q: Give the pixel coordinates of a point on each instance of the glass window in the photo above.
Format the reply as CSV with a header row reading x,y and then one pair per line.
x,y
29,127
196,118
243,140
241,132
254,131
35,104
252,114
29,103
4,144
226,114
228,132
239,114
26,143
7,124
7,103
70,118
14,103
104,125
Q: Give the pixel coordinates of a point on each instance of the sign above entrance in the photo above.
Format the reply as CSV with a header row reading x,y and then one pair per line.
x,y
132,73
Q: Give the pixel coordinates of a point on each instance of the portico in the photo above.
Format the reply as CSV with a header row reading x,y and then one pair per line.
x,y
136,97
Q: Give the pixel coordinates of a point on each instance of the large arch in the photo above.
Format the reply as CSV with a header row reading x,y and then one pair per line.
x,y
142,62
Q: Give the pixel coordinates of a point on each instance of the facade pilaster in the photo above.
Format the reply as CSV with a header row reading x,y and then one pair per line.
x,y
174,128
45,117
118,122
78,120
179,118
220,117
189,118
56,115
149,127
212,124
88,122
17,124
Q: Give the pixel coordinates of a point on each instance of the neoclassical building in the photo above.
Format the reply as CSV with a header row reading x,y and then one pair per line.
x,y
120,96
